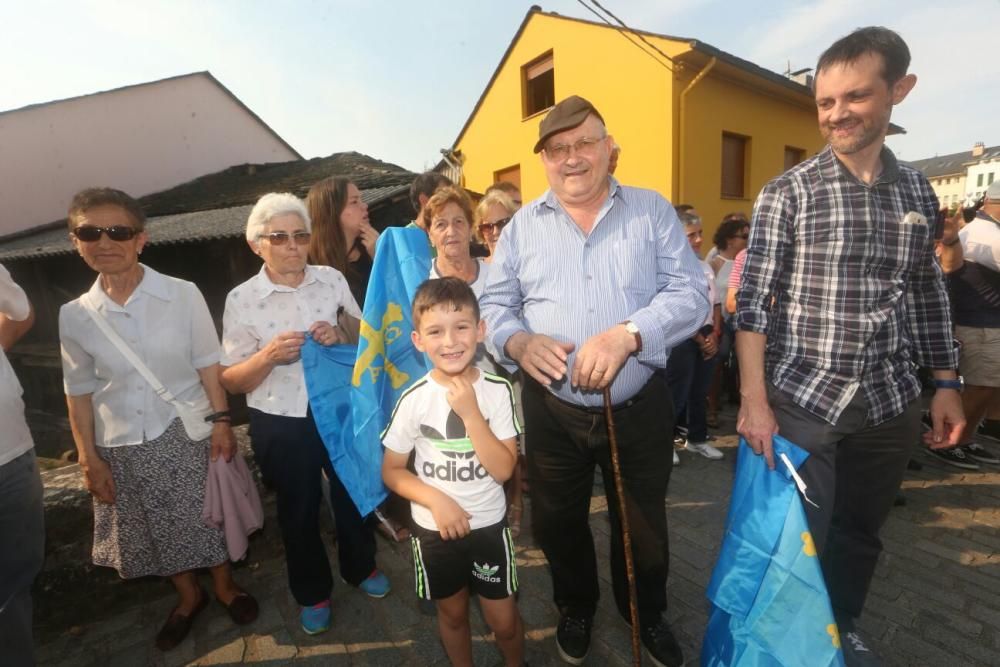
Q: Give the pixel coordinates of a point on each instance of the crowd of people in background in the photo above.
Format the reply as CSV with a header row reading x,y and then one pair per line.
x,y
815,312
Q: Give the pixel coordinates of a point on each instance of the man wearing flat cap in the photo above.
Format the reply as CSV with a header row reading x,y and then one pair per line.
x,y
592,284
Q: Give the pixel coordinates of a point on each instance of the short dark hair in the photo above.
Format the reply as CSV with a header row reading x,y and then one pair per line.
x,y
84,200
688,219
683,208
426,184
437,291
873,39
727,230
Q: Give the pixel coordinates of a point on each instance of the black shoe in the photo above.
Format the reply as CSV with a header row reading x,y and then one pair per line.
x,y
954,457
977,452
663,649
856,651
573,638
990,428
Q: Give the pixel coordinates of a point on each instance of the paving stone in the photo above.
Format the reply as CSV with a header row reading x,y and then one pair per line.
x,y
230,653
276,648
935,598
332,655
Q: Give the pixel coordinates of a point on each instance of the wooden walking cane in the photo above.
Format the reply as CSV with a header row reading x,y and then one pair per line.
x,y
633,609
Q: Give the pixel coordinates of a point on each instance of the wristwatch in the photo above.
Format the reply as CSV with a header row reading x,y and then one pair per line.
x,y
634,330
957,384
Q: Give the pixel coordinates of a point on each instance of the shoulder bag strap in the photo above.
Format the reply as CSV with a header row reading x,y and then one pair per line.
x,y
126,351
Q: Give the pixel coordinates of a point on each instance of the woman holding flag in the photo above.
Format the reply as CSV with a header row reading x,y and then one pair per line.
x,y
266,322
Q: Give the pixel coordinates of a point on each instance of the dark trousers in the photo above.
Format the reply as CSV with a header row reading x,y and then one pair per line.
x,y
292,460
566,443
22,549
688,375
853,473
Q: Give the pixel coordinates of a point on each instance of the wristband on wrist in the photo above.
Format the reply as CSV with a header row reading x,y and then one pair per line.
x,y
222,415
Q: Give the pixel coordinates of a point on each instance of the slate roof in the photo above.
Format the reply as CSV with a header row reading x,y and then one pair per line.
x,y
954,163
217,205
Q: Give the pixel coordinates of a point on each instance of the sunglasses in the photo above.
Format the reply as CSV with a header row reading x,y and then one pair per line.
x,y
89,233
493,226
281,238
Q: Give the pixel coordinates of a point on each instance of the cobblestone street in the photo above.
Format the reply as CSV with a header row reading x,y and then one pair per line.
x,y
935,599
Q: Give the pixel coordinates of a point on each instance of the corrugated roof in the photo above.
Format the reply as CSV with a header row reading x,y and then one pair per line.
x,y
245,183
216,223
954,163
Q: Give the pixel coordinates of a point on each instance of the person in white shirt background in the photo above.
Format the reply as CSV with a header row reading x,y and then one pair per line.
x,y
22,527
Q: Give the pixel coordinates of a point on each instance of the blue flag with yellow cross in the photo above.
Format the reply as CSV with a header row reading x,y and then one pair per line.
x,y
353,390
769,600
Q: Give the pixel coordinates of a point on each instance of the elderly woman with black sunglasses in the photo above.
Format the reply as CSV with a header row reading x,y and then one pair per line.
x,y
266,322
146,474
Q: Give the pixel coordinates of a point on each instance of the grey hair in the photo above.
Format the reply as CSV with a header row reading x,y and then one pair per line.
x,y
271,206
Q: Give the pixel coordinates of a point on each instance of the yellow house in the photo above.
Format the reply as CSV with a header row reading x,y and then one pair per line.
x,y
697,124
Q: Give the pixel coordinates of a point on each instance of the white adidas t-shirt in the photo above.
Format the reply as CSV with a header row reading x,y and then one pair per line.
x,y
445,458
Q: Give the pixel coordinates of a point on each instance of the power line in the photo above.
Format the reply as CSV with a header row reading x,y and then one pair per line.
x,y
626,36
622,23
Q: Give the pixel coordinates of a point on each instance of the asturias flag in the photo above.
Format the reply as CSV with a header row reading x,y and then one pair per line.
x,y
769,600
351,402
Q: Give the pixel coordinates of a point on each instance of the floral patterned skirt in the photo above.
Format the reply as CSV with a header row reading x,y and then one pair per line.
x,y
154,526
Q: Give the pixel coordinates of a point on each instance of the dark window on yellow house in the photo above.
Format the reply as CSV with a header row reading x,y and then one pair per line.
x,y
734,165
538,85
793,156
510,174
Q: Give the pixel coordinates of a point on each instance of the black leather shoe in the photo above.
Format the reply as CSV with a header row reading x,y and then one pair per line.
x,y
178,625
573,638
659,641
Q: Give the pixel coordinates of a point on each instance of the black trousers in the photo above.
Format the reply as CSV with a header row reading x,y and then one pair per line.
x,y
292,459
566,443
853,473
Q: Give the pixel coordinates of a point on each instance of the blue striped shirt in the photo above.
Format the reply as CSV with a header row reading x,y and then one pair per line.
x,y
548,277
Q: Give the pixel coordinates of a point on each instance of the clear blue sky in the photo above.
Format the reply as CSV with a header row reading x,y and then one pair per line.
x,y
397,79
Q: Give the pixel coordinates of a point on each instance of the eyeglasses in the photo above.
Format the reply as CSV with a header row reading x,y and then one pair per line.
x,y
89,233
742,236
281,238
494,227
586,146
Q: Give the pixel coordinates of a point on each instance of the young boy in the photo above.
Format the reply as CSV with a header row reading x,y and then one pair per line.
x,y
461,423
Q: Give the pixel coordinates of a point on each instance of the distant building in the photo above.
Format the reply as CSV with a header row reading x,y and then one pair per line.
x,y
142,138
704,127
959,176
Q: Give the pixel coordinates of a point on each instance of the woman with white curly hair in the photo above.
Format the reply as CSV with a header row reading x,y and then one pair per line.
x,y
266,321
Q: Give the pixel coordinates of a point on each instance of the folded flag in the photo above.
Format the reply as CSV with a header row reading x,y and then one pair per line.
x,y
769,601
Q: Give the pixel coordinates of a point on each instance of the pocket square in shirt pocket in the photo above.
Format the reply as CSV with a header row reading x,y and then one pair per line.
x,y
915,218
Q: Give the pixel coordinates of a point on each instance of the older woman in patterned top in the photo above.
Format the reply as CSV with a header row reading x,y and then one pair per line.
x,y
147,476
266,322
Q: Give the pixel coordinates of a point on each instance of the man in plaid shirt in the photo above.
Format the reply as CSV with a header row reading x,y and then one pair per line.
x,y
841,299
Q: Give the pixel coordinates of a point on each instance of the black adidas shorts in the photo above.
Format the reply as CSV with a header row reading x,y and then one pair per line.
x,y
483,561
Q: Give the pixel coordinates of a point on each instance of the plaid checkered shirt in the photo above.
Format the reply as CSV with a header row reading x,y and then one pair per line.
x,y
841,276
